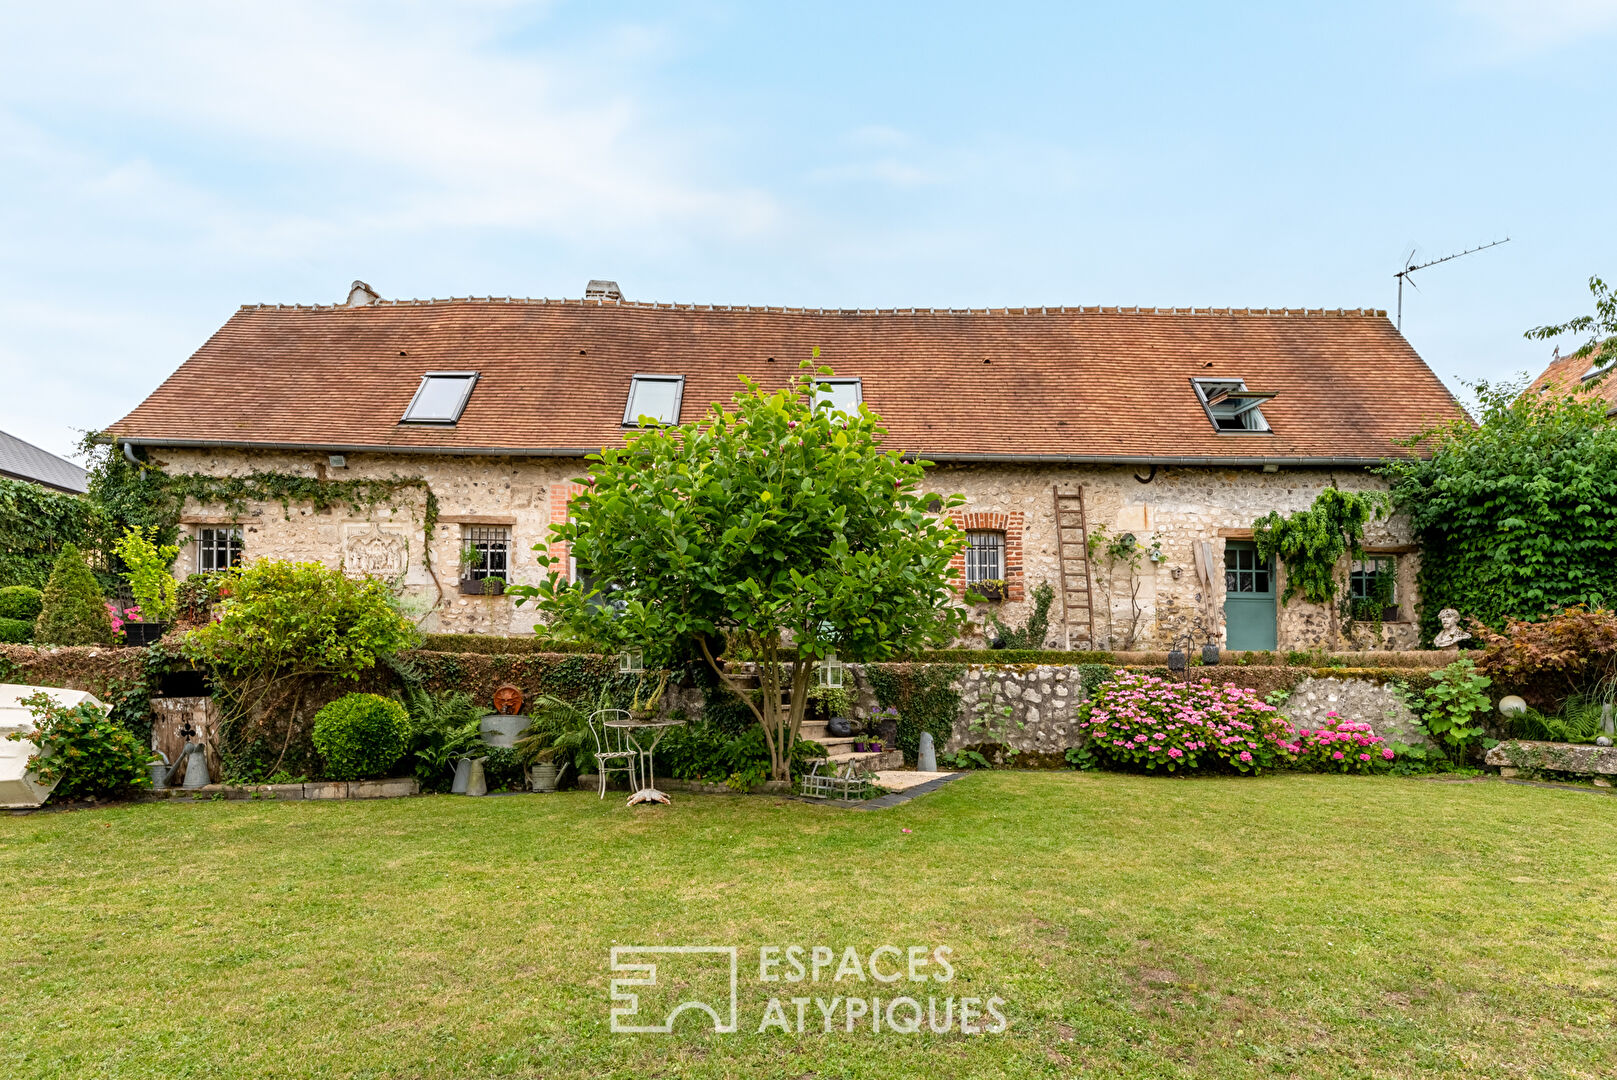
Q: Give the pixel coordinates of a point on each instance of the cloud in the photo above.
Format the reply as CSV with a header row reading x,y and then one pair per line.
x,y
410,117
1519,26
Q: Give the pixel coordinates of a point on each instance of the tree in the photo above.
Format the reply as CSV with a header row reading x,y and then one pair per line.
x,y
1516,515
782,527
73,612
1601,346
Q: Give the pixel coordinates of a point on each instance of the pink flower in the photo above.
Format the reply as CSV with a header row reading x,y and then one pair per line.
x,y
1246,755
1364,757
1337,756
1387,754
1176,753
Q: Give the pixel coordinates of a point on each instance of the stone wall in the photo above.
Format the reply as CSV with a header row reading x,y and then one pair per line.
x,y
1043,700
1177,507
1149,608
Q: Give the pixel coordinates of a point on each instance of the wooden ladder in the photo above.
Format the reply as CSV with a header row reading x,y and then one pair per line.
x,y
1072,557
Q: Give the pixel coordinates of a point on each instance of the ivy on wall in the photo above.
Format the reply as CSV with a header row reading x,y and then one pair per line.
x,y
1516,515
34,524
925,696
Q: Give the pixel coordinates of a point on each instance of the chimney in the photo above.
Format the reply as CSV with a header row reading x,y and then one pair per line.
x,y
361,295
602,290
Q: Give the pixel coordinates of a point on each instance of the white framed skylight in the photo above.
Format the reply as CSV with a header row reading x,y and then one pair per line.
x,y
1597,367
843,395
1231,406
656,396
440,398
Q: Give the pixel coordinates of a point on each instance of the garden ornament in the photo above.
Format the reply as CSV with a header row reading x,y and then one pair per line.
x,y
1451,634
926,760
1210,654
838,727
195,759
159,768
1511,705
508,700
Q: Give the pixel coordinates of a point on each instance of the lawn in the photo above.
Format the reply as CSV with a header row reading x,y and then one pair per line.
x,y
1290,925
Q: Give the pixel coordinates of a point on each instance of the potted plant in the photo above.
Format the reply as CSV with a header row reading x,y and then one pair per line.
x,y
990,590
147,570
471,561
646,698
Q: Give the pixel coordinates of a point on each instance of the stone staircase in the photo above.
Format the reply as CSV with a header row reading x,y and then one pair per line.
x,y
839,750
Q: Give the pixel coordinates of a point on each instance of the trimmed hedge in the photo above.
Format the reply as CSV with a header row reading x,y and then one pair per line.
x,y
492,645
21,602
361,736
15,631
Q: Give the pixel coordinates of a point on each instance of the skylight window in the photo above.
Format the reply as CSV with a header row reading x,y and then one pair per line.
x,y
843,395
654,396
1230,405
1599,367
440,398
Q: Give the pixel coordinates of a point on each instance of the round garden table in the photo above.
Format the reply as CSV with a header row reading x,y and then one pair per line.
x,y
638,730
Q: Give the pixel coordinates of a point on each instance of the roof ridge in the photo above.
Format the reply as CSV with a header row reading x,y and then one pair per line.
x,y
771,309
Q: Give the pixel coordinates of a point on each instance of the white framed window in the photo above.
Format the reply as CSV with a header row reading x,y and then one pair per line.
x,y
1598,367
842,395
486,550
985,556
1230,405
655,396
441,397
219,547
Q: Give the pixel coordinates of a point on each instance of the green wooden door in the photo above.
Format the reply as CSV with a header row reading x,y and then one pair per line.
x,y
1249,597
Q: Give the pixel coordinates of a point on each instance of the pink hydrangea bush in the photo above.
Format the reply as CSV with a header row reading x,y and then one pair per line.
x,y
1339,745
1137,721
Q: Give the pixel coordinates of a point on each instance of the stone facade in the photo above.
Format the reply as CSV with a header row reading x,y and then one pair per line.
x,y
1153,606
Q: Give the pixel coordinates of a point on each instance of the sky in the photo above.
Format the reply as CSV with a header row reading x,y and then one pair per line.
x,y
162,163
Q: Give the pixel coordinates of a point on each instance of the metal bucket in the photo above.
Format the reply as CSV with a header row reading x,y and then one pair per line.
x,y
159,771
543,776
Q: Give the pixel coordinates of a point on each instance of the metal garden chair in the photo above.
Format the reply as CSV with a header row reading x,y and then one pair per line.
x,y
615,751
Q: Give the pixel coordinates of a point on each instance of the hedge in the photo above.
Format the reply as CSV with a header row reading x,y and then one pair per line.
x,y
491,645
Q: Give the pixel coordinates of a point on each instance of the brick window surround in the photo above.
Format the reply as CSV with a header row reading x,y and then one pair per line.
x,y
561,497
1011,525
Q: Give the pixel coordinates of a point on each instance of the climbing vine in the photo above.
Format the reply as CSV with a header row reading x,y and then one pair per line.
x,y
925,696
1312,542
1516,515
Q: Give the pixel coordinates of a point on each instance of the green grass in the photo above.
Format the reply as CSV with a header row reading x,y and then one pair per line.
x,y
1287,926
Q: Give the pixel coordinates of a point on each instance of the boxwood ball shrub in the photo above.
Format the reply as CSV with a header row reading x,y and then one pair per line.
x,y
1137,721
21,602
15,631
361,736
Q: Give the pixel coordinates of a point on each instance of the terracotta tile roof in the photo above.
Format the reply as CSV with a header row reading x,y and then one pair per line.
x,y
1566,373
1074,383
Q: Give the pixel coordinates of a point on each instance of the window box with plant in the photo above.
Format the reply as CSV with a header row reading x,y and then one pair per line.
x,y
485,555
990,590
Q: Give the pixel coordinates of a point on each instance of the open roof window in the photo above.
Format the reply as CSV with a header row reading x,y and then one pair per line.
x,y
440,398
843,395
654,396
1230,405
1599,366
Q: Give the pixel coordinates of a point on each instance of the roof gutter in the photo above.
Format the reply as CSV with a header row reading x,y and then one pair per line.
x,y
944,458
359,448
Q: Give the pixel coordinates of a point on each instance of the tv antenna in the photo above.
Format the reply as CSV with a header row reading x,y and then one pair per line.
x,y
1410,268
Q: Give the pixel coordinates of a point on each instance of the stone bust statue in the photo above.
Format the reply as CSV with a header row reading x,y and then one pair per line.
x,y
1451,634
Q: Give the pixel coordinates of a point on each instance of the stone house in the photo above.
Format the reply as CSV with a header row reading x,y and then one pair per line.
x,y
1154,437
1595,375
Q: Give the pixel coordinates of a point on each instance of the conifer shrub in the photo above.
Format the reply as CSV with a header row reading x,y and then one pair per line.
x,y
72,611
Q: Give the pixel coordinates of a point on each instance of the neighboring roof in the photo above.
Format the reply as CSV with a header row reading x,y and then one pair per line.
x,y
1566,373
1074,384
25,461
